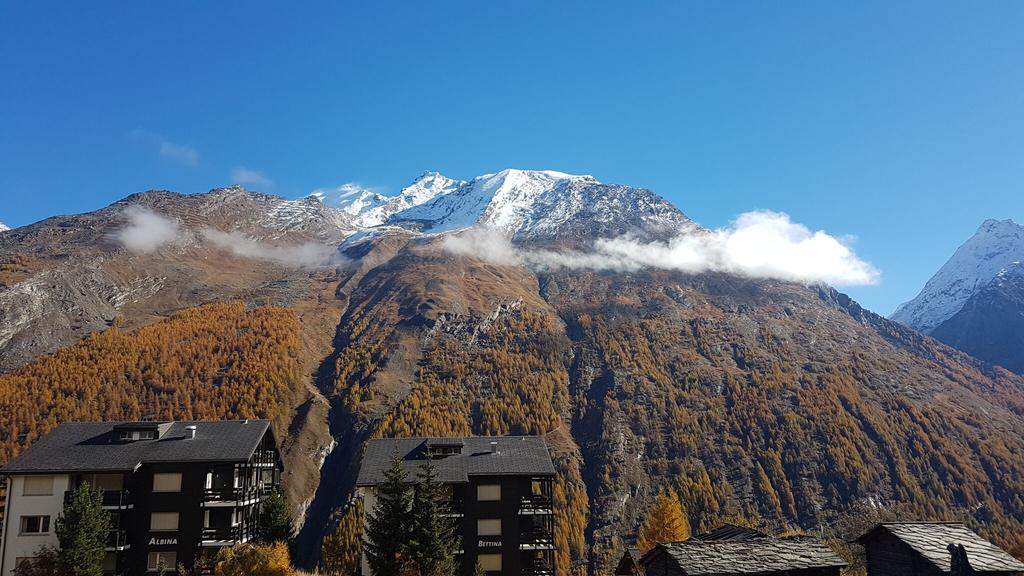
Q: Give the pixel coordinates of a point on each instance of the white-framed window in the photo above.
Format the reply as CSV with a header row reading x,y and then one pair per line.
x,y
35,524
488,492
163,521
37,486
489,562
162,560
488,527
167,482
130,435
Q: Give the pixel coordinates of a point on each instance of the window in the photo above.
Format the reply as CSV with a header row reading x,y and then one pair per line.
x,y
162,560
138,435
38,486
111,482
35,524
488,492
163,521
167,482
488,527
489,562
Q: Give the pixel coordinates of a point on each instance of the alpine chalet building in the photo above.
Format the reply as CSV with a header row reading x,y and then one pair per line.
x,y
174,490
501,495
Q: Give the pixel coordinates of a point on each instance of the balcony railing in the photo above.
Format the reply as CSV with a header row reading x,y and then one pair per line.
x,y
535,504
231,534
536,537
231,494
111,498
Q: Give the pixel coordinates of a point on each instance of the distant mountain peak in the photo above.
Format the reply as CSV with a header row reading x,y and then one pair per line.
x,y
541,203
4,227
996,245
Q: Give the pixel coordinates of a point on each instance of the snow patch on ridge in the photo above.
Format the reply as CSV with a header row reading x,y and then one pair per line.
x,y
996,246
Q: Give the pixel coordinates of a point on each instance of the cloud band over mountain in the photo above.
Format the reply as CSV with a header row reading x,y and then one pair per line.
x,y
760,244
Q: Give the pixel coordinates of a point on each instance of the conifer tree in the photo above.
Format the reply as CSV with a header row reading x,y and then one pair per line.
x,y
82,532
388,529
665,522
434,540
275,519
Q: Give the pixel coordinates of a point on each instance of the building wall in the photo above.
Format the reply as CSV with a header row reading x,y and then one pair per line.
x,y
887,555
513,488
18,545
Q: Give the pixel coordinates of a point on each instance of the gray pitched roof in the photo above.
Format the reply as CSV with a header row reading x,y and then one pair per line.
x,y
93,446
757,556
516,455
731,532
931,539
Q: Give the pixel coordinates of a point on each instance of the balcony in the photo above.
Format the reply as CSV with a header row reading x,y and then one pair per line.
x,y
112,499
235,496
539,569
117,540
535,504
536,538
225,535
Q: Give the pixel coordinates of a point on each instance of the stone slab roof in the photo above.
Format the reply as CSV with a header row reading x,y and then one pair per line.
x,y
755,556
931,540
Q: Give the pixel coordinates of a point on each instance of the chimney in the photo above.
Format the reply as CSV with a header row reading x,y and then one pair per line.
x,y
494,447
190,431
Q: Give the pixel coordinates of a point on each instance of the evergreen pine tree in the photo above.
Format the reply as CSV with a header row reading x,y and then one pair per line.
x,y
388,529
82,530
434,540
665,522
275,519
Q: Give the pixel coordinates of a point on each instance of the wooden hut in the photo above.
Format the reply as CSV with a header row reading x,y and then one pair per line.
x,y
929,548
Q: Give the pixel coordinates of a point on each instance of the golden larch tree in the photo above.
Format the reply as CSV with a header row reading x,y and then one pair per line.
x,y
665,522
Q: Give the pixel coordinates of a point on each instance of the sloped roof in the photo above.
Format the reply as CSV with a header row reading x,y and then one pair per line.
x,y
756,556
93,446
731,532
931,539
516,455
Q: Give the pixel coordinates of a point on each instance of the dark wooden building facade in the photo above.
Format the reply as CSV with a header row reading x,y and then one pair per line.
x,y
502,490
923,549
174,490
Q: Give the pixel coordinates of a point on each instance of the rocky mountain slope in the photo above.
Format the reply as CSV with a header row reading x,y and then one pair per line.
x,y
774,401
990,325
970,303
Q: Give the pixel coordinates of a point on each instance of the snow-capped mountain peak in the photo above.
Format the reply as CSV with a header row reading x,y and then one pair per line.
x,y
372,208
521,203
507,200
4,227
993,249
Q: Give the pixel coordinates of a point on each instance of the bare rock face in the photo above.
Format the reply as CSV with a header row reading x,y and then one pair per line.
x,y
990,325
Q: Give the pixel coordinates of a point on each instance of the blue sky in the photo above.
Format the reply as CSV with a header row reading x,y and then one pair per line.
x,y
898,123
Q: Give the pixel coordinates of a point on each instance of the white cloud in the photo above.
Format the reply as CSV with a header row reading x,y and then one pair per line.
x,y
171,151
306,255
146,230
758,244
246,176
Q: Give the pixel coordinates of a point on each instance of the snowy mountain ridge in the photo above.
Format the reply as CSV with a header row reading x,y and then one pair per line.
x,y
520,203
4,227
994,248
